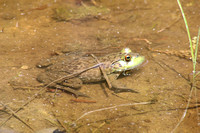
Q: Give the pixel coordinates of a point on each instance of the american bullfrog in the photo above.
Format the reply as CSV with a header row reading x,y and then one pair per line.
x,y
113,65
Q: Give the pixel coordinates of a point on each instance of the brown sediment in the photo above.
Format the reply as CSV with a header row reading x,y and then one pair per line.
x,y
82,101
39,8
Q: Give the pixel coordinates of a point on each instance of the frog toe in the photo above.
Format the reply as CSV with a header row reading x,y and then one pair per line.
x,y
79,94
125,90
70,90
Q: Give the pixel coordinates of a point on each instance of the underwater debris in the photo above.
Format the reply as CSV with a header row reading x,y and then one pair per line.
x,y
80,13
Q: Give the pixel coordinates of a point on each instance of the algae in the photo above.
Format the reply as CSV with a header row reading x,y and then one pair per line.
x,y
83,12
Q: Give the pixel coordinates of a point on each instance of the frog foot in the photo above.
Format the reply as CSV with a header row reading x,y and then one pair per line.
x,y
119,90
75,92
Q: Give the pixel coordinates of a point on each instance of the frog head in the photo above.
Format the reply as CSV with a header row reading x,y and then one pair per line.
x,y
128,61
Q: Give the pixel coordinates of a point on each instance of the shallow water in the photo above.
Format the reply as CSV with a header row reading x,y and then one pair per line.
x,y
29,33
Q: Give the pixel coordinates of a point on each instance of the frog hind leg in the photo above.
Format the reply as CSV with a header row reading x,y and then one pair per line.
x,y
123,89
69,85
118,87
72,85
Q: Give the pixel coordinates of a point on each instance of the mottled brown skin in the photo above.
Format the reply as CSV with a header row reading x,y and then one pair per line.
x,y
63,65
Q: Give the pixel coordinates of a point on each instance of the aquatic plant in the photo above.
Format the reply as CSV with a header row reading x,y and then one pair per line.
x,y
194,50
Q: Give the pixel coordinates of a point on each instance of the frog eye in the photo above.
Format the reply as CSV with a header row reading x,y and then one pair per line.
x,y
127,58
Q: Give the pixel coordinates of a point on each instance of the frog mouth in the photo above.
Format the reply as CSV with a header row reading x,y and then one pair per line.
x,y
145,63
133,67
134,63
128,71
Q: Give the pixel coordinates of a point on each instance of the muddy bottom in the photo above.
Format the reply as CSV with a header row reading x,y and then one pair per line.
x,y
31,31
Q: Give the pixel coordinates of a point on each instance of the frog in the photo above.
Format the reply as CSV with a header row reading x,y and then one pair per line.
x,y
113,64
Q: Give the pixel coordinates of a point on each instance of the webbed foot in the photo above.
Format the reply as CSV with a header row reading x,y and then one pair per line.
x,y
119,90
70,90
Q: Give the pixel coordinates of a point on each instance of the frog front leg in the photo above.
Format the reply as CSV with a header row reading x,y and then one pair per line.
x,y
118,87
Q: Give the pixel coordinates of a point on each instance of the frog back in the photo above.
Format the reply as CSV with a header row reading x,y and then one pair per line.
x,y
92,75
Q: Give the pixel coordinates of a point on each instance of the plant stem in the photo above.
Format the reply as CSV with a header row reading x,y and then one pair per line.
x,y
194,58
189,37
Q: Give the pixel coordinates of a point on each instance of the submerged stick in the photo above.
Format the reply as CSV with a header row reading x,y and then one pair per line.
x,y
102,124
167,27
44,88
102,70
13,113
60,122
25,87
102,109
32,98
72,75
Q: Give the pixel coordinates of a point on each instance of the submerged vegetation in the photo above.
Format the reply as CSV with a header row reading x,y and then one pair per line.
x,y
83,12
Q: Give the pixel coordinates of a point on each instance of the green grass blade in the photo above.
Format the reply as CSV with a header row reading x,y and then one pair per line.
x,y
197,44
196,50
187,28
